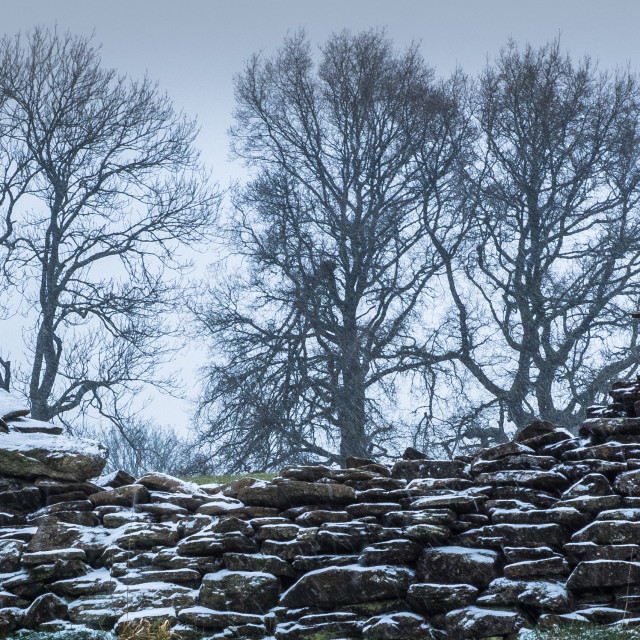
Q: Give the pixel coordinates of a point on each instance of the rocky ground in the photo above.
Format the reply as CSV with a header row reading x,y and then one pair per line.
x,y
539,530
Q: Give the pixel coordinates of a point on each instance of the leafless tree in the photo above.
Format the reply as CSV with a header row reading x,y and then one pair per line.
x,y
541,296
349,159
144,446
101,187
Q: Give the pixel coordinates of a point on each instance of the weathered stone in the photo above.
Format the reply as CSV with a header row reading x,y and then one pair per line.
x,y
461,501
541,597
155,481
537,498
577,469
458,565
512,448
550,568
582,551
628,483
351,584
535,429
126,496
321,516
102,612
397,552
514,463
116,479
46,607
361,510
545,441
97,582
202,617
121,518
52,534
352,537
609,532
306,473
398,626
46,557
426,533
430,486
201,545
187,577
295,493
523,554
532,478
10,554
564,516
222,505
10,620
474,622
610,451
593,484
592,504
610,427
258,562
411,469
51,456
248,592
304,564
518,535
278,532
320,626
598,574
413,454
431,516
435,598
288,550
23,499
146,536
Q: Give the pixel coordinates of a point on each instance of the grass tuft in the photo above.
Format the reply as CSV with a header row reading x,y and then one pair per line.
x,y
148,630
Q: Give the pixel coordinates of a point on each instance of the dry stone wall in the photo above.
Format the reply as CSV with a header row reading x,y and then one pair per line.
x,y
542,529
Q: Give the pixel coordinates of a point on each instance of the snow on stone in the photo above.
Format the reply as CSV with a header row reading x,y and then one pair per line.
x,y
12,406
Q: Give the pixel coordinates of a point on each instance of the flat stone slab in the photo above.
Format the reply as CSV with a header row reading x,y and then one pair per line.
x,y
596,574
351,584
51,456
457,565
474,622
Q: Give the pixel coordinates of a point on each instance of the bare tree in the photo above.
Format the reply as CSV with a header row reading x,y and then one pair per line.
x,y
309,342
541,296
144,446
106,186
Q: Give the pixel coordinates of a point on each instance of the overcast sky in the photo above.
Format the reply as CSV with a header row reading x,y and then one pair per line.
x,y
194,47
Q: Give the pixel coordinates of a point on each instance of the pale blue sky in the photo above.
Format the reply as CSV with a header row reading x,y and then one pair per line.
x,y
193,48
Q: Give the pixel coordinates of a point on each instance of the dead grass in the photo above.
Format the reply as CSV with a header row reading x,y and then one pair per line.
x,y
148,630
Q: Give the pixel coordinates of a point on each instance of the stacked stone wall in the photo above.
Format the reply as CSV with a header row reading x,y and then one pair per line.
x,y
536,531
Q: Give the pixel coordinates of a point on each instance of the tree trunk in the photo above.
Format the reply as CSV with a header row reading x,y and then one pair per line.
x,y
351,398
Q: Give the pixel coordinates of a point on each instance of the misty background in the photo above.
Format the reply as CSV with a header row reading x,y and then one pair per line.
x,y
193,49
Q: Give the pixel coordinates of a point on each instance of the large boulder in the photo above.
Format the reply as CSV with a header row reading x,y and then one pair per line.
x,y
244,591
458,565
351,584
598,574
52,456
475,622
296,492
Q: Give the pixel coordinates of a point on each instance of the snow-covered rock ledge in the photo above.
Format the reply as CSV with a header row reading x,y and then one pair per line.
x,y
536,531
